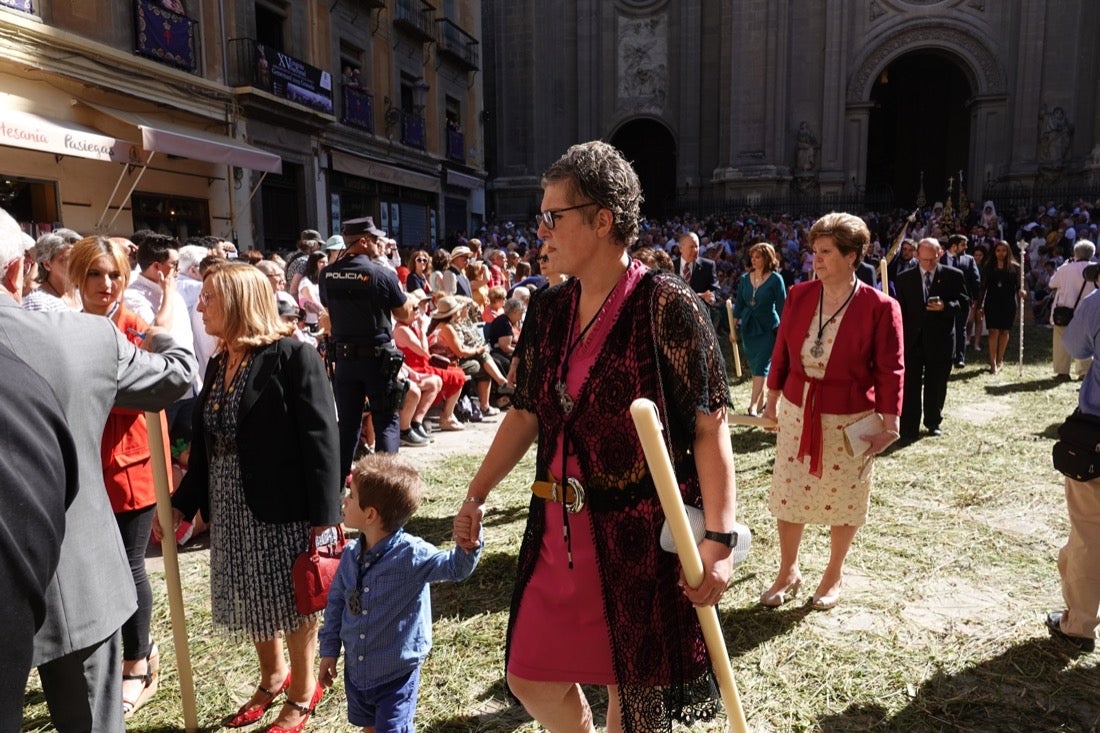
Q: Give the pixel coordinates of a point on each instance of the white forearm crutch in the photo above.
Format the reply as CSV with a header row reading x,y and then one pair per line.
x,y
644,414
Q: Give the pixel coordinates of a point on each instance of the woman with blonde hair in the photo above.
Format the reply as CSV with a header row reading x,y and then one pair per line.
x,y
98,272
760,297
265,470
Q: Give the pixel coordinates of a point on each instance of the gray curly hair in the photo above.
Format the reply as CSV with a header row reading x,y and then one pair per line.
x,y
598,172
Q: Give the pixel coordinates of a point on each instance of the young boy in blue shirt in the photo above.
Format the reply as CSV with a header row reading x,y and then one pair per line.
x,y
379,606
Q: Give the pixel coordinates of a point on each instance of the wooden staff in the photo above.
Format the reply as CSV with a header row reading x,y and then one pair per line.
x,y
753,421
158,447
1023,249
646,422
733,339
892,252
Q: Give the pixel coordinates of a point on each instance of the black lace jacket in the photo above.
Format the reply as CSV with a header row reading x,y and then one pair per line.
x,y
662,347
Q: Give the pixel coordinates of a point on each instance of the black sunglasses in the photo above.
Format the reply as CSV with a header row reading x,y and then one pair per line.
x,y
550,216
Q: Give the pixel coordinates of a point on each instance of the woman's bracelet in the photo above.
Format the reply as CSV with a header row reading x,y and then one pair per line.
x,y
474,500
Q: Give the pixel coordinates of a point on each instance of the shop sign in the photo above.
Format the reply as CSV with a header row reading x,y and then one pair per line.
x,y
24,130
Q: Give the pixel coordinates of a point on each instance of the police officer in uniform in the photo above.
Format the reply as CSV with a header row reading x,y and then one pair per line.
x,y
360,296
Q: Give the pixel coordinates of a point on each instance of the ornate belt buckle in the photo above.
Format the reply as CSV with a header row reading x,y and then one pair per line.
x,y
578,496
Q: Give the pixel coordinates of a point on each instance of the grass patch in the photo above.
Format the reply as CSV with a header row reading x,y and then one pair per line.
x,y
940,627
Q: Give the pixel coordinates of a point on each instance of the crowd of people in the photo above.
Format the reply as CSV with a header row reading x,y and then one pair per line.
x,y
351,348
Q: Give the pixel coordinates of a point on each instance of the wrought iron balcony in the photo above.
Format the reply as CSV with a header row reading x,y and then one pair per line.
x,y
252,64
456,44
415,18
358,108
164,35
456,146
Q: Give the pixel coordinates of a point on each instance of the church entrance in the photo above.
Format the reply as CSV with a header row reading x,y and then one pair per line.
x,y
920,121
649,146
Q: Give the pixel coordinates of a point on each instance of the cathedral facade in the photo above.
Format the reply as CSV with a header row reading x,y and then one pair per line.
x,y
731,101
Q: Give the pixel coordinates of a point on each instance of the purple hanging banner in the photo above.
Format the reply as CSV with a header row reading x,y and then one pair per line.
x,y
163,34
24,5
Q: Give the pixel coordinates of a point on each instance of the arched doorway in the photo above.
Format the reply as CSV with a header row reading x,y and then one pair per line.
x,y
919,121
649,146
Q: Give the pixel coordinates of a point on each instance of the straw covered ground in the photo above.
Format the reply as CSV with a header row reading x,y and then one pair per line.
x,y
939,629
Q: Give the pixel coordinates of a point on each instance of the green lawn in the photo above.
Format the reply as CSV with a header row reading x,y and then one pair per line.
x,y
940,627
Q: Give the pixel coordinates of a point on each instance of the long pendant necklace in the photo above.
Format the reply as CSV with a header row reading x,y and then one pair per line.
x,y
752,300
564,400
818,349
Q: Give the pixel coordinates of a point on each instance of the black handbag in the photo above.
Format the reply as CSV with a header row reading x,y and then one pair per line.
x,y
1062,315
1076,455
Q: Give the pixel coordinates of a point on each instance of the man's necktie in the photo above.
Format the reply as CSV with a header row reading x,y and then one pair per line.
x,y
927,284
687,271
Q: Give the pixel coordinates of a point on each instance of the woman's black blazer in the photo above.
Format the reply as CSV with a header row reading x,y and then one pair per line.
x,y
287,440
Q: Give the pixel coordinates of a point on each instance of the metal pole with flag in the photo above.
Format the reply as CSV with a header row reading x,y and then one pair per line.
x,y
158,447
644,414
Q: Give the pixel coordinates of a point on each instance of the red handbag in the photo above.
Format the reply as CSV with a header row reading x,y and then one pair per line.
x,y
313,572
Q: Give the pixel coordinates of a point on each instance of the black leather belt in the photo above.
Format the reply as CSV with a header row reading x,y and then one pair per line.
x,y
353,351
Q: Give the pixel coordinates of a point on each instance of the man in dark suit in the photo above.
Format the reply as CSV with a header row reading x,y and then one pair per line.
x,y
38,480
905,259
865,271
957,257
699,272
931,295
91,367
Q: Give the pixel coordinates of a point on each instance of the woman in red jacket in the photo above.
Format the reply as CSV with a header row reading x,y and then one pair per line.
x,y
100,269
837,360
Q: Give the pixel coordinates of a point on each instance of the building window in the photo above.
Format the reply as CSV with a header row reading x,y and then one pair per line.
x,y
177,216
270,25
33,203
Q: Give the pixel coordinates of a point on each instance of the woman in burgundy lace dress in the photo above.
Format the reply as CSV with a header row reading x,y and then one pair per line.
x,y
597,601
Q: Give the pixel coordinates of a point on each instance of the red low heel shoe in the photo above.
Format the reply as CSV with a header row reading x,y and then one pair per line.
x,y
317,695
248,715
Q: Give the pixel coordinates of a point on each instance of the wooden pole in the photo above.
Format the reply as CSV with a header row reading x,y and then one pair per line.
x,y
1023,303
733,339
644,414
158,448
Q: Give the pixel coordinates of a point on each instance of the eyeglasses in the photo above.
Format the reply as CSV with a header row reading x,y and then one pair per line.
x,y
543,259
550,217
421,259
205,297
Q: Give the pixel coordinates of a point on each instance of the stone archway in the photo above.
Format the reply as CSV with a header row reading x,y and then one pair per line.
x,y
918,131
650,147
970,79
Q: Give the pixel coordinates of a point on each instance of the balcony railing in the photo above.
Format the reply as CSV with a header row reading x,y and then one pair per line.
x,y
457,43
24,5
413,130
456,146
358,108
164,35
415,18
262,67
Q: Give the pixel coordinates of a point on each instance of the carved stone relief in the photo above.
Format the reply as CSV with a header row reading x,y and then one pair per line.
x,y
642,57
